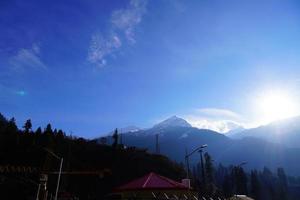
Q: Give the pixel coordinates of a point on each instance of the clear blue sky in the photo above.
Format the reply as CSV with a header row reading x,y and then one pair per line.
x,y
90,66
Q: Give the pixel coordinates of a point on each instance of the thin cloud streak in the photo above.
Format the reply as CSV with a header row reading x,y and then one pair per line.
x,y
218,113
100,47
221,126
127,19
27,59
122,24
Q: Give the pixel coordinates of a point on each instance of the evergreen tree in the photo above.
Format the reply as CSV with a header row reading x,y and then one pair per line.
x,y
12,127
268,181
282,184
48,130
209,169
27,126
3,123
60,134
47,136
209,173
11,132
240,180
255,185
38,131
227,186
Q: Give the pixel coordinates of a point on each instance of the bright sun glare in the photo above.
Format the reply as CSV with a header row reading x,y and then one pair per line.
x,y
274,106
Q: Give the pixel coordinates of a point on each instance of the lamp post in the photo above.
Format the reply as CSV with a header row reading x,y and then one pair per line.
x,y
241,164
187,155
60,168
202,167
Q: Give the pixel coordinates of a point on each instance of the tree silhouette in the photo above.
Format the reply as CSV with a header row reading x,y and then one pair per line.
x,y
48,130
282,184
240,180
209,173
27,126
255,185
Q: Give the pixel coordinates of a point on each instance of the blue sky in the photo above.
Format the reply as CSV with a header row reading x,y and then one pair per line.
x,y
91,66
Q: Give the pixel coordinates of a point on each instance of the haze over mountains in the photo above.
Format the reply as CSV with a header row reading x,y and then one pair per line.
x,y
285,132
259,147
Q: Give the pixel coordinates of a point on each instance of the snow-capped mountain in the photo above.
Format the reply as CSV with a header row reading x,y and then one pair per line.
x,y
173,121
129,129
175,135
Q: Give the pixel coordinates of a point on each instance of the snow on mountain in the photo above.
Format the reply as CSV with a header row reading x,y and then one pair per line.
x,y
173,121
129,129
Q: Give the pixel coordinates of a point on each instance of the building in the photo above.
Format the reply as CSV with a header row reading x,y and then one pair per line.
x,y
153,186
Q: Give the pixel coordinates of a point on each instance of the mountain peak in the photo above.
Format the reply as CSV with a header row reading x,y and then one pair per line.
x,y
173,121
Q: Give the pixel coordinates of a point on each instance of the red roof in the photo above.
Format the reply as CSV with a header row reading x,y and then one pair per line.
x,y
152,181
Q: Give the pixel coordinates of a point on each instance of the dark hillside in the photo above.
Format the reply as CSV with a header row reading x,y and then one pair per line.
x,y
27,148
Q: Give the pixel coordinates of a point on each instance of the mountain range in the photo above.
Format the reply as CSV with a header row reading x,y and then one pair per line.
x,y
274,145
285,132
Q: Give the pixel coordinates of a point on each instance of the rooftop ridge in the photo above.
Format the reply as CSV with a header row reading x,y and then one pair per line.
x,y
148,179
172,182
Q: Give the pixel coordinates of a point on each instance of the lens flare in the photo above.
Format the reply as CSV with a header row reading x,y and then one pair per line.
x,y
276,105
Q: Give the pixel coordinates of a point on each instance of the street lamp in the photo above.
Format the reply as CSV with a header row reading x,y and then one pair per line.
x,y
60,168
187,155
241,164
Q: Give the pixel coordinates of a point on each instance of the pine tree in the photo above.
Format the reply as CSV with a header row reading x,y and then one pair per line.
x,y
60,134
227,186
48,130
209,173
27,126
282,184
209,169
268,181
255,185
12,127
3,123
240,180
47,136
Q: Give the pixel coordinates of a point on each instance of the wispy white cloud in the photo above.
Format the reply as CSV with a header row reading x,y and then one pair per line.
x,y
218,113
178,5
122,25
220,120
100,47
127,19
221,126
27,58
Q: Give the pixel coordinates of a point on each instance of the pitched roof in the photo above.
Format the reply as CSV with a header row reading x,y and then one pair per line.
x,y
152,181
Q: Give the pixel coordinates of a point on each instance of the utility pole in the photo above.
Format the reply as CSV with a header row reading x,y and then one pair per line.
x,y
202,167
187,164
187,155
60,168
58,180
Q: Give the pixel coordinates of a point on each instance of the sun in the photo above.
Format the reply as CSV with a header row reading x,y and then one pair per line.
x,y
276,105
